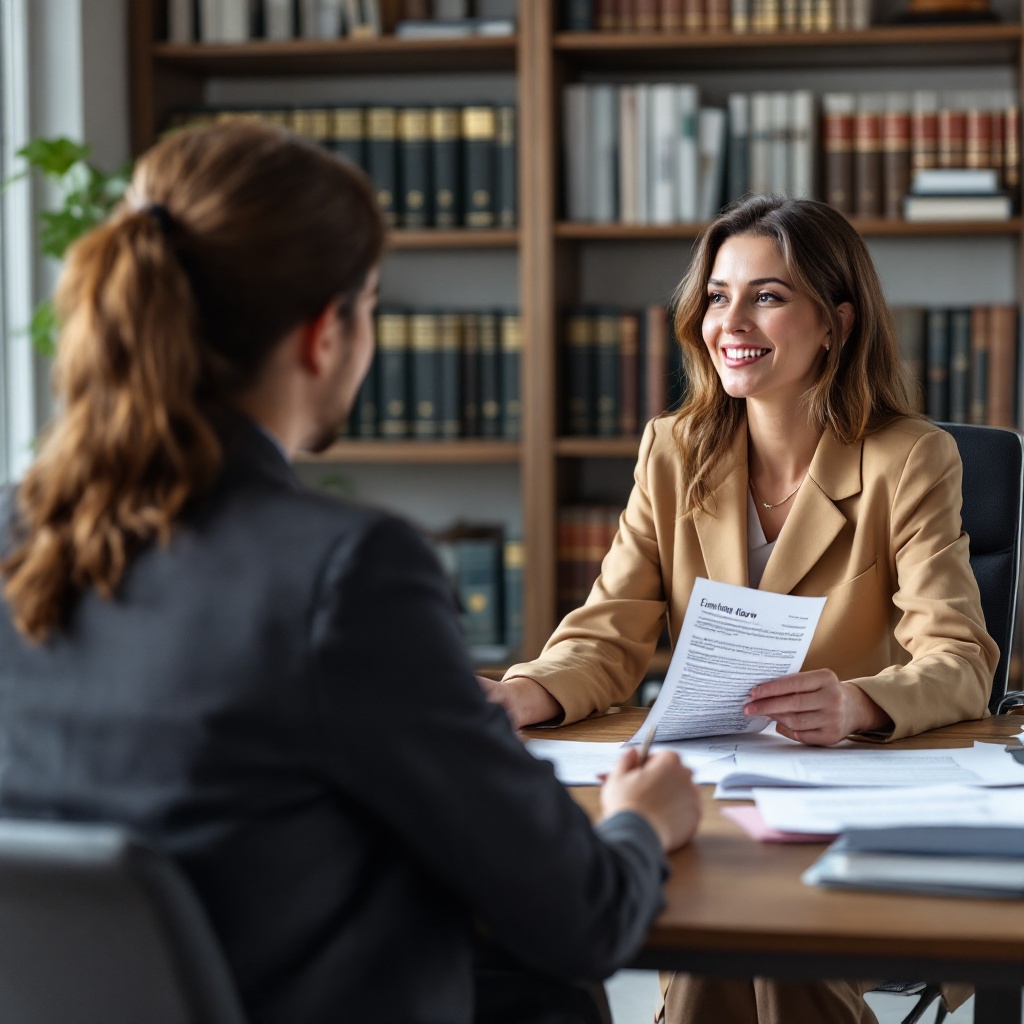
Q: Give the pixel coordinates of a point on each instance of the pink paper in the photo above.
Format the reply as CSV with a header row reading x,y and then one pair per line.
x,y
748,817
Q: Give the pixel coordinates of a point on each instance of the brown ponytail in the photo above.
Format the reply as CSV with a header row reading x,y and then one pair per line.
x,y
231,236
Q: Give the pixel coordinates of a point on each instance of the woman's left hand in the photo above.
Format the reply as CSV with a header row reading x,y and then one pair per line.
x,y
816,707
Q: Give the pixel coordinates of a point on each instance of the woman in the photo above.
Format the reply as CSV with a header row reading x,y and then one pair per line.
x,y
193,645
794,465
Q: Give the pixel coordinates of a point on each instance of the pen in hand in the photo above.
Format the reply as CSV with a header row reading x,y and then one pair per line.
x,y
645,747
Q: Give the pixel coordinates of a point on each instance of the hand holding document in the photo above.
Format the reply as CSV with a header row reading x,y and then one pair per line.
x,y
732,638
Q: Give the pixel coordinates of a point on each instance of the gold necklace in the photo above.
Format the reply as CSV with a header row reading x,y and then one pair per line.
x,y
781,501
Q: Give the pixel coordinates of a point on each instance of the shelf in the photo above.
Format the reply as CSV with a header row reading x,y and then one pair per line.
x,y
598,447
458,238
580,232
377,450
905,45
384,55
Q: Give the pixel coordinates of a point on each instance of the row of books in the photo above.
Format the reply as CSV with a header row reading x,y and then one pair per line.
x,y
650,153
240,21
620,368
873,142
485,565
697,16
583,536
440,167
964,360
442,376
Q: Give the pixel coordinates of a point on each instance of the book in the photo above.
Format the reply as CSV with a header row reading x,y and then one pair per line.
x,y
711,150
414,161
511,344
576,143
959,321
924,129
279,19
478,563
957,208
642,93
867,170
779,178
490,375
577,373
759,168
347,134
363,419
739,145
470,375
446,166
1002,366
606,373
895,154
672,180
478,134
980,327
802,144
952,125
450,367
602,153
686,164
976,861
577,15
393,378
655,361
629,372
505,189
513,558
909,322
382,159
628,157
181,21
958,181
937,364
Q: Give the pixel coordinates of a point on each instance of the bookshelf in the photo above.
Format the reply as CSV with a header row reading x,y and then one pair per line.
x,y
554,258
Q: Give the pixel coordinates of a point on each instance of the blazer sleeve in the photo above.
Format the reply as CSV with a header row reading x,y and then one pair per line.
x,y
952,658
403,729
598,654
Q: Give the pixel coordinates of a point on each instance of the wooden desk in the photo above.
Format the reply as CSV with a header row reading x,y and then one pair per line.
x,y
737,908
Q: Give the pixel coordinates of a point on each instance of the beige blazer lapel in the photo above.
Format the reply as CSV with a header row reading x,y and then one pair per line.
x,y
815,522
722,530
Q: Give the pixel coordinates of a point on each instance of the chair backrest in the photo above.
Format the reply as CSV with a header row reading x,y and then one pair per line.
x,y
993,493
97,927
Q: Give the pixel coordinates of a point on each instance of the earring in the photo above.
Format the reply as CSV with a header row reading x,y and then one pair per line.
x,y
828,348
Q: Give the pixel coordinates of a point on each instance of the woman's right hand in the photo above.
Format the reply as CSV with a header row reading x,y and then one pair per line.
x,y
660,790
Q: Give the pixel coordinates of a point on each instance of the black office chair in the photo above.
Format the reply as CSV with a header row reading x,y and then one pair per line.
x,y
97,926
993,500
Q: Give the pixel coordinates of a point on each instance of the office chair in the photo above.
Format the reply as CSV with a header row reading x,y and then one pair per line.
x,y
993,500
97,926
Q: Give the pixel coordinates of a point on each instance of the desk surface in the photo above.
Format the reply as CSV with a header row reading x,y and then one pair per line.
x,y
737,907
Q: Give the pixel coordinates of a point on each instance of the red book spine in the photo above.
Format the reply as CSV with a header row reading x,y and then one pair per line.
x,y
895,161
952,137
607,19
838,136
629,390
1011,151
924,133
868,163
670,15
978,139
645,15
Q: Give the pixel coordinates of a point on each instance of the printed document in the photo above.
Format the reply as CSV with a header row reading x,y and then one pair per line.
x,y
582,763
731,639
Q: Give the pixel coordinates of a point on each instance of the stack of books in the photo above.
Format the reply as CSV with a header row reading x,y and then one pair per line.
x,y
957,193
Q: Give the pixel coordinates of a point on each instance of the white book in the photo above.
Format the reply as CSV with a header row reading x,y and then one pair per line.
x,y
278,19
210,21
604,152
662,149
760,173
180,21
576,136
944,181
628,184
234,21
780,179
803,143
711,144
309,18
643,95
688,155
330,20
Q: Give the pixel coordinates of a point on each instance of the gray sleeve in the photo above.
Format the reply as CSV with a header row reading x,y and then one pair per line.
x,y
453,783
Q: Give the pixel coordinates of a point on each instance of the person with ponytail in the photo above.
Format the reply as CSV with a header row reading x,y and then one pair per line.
x,y
794,465
269,684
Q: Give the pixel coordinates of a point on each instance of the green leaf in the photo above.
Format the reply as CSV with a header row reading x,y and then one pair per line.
x,y
44,329
59,229
54,156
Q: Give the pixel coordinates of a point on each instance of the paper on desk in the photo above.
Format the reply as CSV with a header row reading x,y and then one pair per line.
x,y
749,819
579,763
731,639
835,810
984,764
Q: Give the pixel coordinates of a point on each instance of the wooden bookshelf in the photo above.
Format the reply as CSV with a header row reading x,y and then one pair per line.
x,y
550,251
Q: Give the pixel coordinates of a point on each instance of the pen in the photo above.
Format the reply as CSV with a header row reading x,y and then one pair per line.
x,y
645,747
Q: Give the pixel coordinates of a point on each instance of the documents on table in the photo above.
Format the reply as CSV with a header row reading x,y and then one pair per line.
x,y
984,764
732,638
835,810
579,763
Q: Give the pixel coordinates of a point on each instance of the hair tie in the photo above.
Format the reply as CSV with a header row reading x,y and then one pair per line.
x,y
161,215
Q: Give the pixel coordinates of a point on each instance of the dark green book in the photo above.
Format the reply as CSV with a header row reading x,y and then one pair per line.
x,y
606,373
511,361
960,365
414,166
478,152
490,376
478,562
446,166
382,159
393,374
425,366
506,198
512,571
578,15
937,364
348,134
578,373
450,371
470,374
363,421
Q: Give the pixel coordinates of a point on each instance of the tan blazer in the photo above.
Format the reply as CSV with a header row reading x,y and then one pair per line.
x,y
875,528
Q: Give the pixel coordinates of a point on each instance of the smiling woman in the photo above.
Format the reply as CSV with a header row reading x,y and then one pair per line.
x,y
794,466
